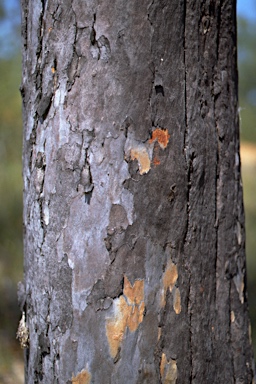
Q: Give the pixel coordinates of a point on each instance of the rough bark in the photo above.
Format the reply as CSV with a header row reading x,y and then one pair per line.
x,y
133,213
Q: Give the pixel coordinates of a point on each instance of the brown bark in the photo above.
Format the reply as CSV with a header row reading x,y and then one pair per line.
x,y
133,213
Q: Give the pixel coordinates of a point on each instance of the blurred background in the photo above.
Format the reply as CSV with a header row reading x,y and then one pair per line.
x,y
11,253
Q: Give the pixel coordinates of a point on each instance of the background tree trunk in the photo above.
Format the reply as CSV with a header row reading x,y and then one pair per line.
x,y
133,213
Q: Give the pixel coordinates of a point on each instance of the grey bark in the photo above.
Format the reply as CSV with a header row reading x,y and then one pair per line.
x,y
133,213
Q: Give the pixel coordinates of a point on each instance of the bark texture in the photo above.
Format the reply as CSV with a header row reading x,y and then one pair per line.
x,y
133,213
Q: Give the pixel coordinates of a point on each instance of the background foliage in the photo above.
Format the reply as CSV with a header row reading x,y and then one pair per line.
x,y
11,370
11,367
247,101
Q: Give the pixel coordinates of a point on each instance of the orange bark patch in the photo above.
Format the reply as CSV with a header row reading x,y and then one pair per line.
x,y
129,313
168,370
169,279
141,155
143,152
134,293
156,160
161,136
115,326
84,377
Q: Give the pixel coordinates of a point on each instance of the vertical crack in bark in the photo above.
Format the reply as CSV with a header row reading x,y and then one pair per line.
x,y
44,94
217,177
150,6
85,185
217,163
95,51
100,48
74,62
93,32
185,145
152,67
188,165
157,87
40,166
43,5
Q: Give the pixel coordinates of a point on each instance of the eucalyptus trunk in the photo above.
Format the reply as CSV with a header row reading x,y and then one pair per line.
x,y
133,209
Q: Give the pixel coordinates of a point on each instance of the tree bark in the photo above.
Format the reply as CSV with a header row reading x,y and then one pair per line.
x,y
133,213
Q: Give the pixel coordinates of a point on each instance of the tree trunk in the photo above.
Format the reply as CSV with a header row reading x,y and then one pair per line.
x,y
133,213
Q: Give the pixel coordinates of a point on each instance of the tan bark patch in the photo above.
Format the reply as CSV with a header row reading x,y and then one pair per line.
x,y
142,156
115,326
129,313
23,332
134,293
169,279
168,370
135,316
177,301
142,153
83,377
159,333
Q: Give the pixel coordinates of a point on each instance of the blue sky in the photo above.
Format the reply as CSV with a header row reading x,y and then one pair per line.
x,y
247,8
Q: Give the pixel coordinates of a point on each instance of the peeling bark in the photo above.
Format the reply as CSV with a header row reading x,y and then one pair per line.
x,y
133,213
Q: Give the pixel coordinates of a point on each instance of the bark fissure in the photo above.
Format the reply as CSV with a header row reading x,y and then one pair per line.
x,y
188,162
185,145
